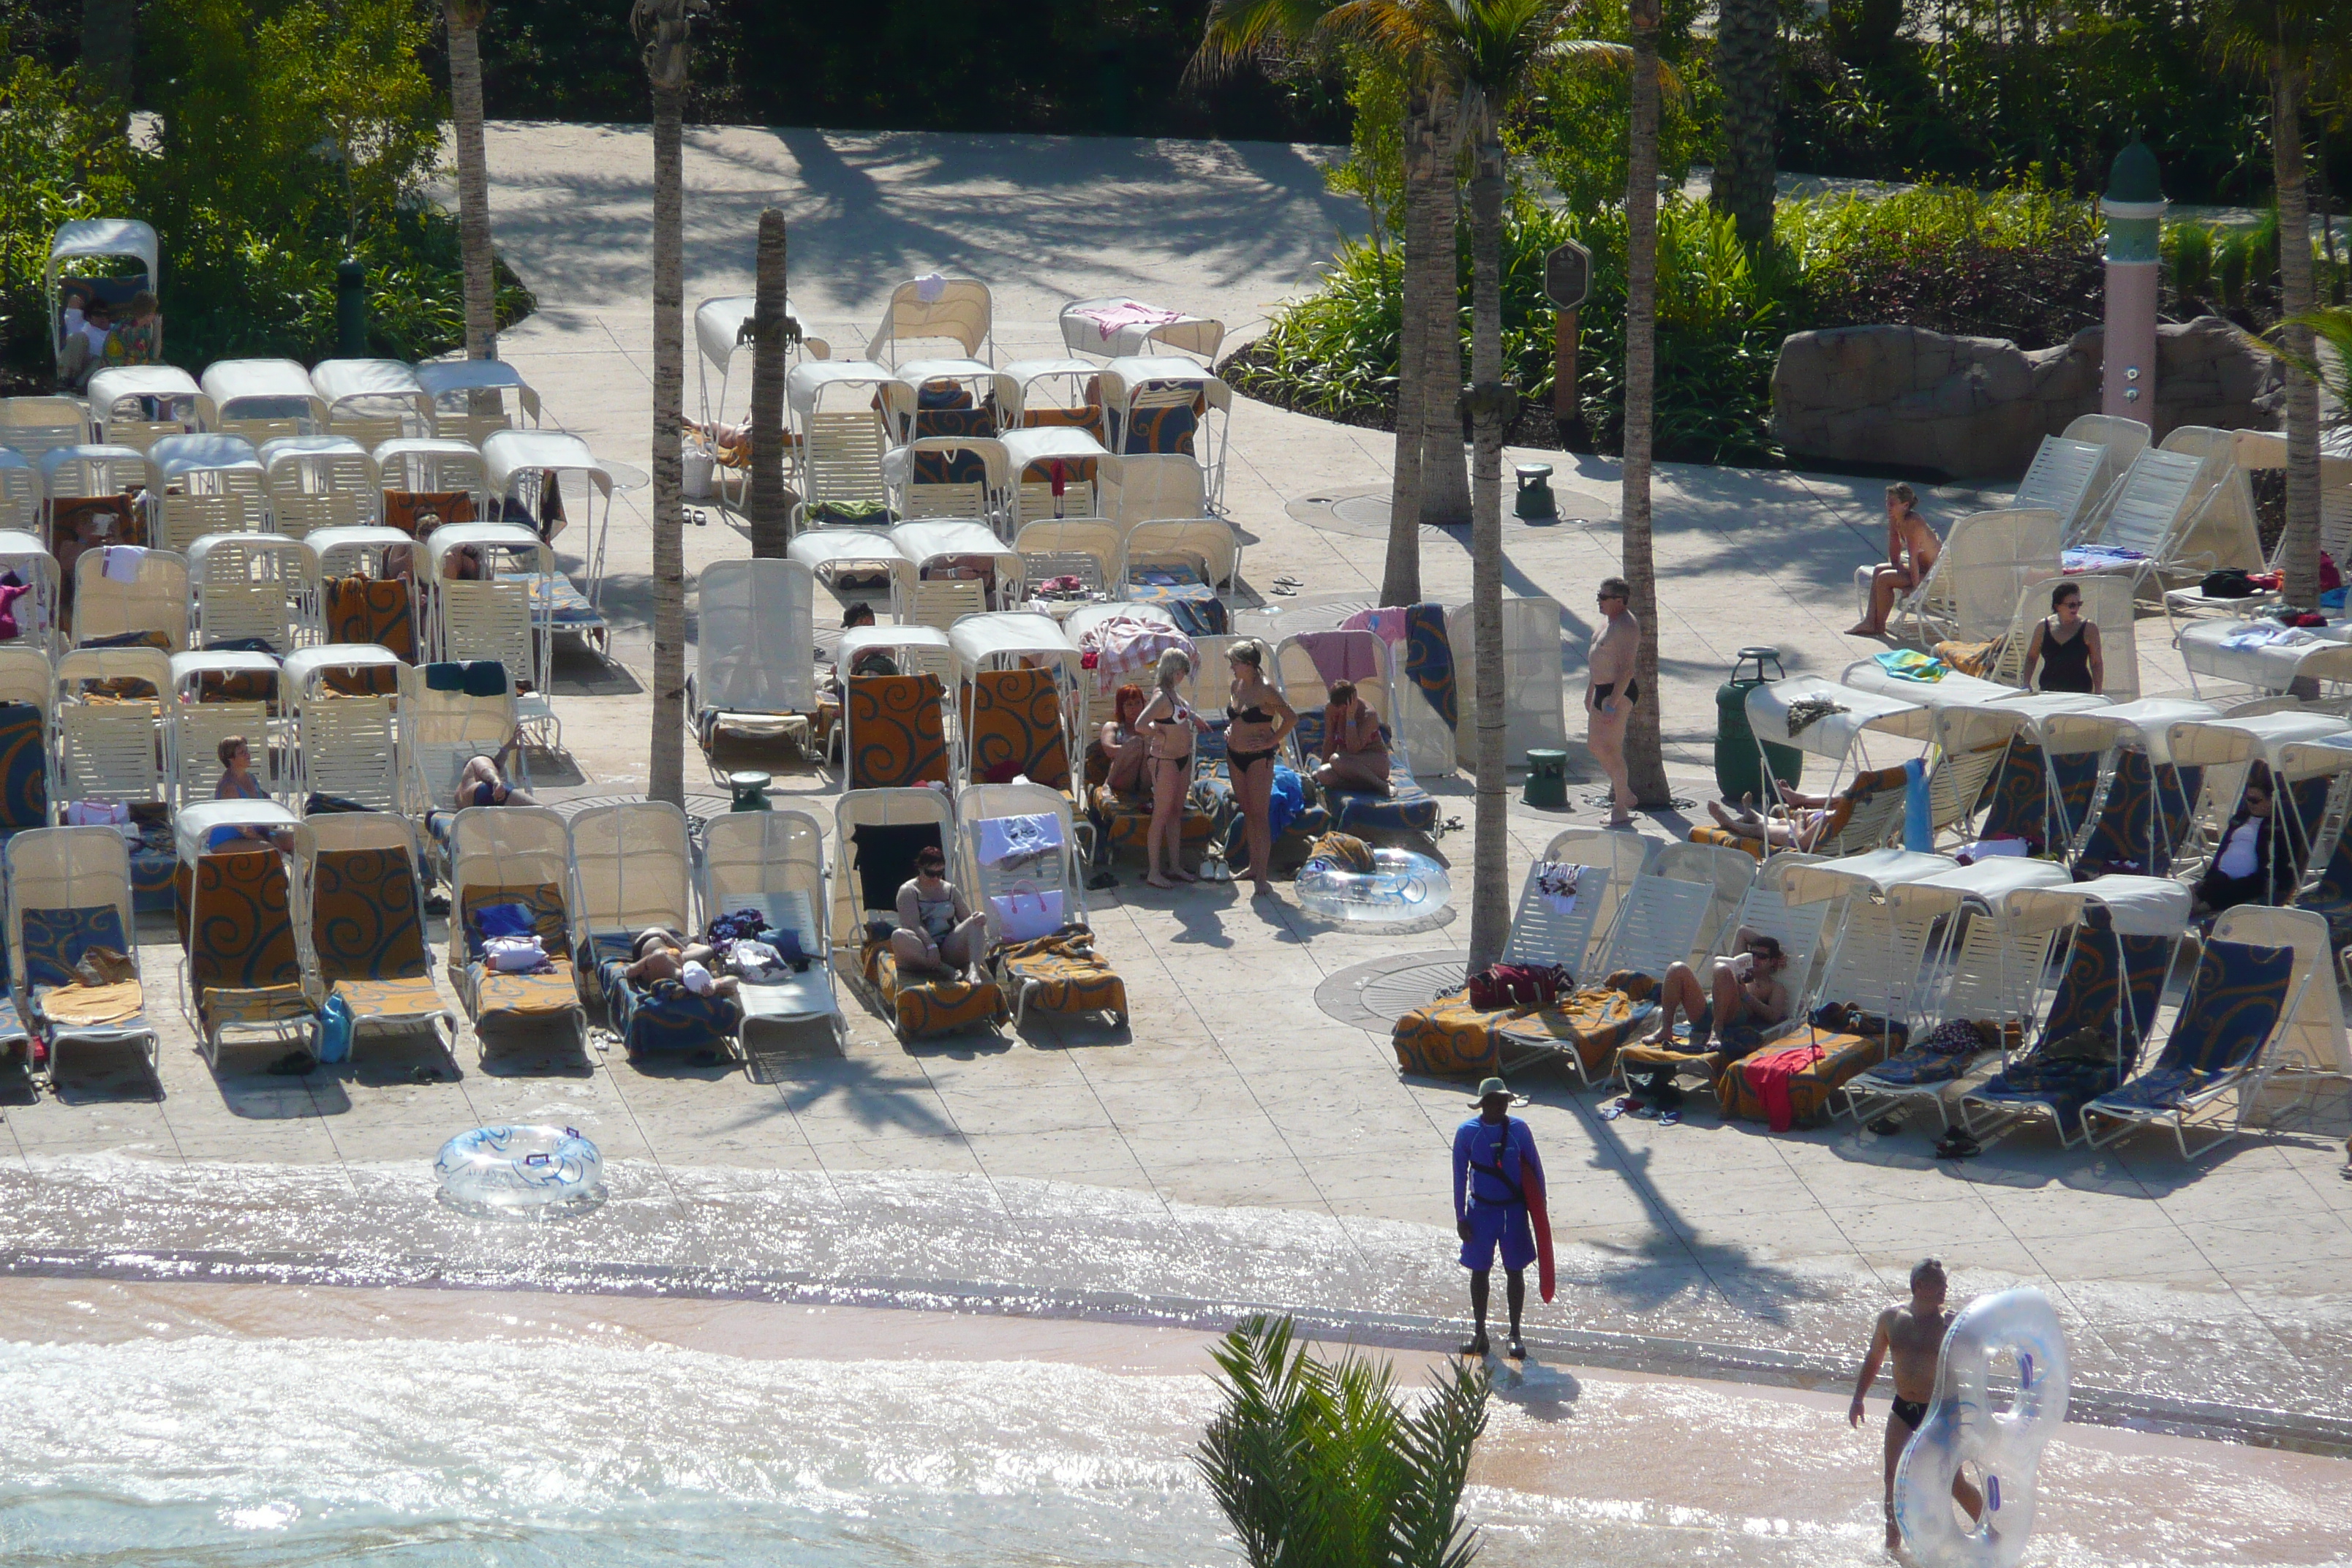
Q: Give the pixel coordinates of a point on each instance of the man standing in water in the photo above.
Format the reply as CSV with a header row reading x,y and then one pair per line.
x,y
1494,1165
1610,693
1913,1335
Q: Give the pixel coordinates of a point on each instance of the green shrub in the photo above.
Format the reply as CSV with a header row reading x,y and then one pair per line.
x,y
2189,251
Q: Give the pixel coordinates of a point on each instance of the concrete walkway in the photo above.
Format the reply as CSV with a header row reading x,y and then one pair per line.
x,y
2225,1278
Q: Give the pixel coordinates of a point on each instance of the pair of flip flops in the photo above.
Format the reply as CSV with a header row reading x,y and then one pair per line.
x,y
1958,1145
1285,587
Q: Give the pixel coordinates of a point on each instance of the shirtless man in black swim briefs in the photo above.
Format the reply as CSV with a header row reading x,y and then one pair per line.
x,y
1913,1335
1609,701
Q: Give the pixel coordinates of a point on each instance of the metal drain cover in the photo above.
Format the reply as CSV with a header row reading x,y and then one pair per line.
x,y
1374,995
1362,516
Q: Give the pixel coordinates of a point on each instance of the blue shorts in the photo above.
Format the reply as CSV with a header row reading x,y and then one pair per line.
x,y
1505,1225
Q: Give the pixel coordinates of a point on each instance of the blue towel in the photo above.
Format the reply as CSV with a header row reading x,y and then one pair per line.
x,y
1918,822
1286,800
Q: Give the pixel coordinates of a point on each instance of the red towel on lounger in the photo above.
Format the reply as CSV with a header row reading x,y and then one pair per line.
x,y
1770,1074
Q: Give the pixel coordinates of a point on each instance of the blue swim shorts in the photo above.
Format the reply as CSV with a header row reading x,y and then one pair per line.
x,y
1505,1225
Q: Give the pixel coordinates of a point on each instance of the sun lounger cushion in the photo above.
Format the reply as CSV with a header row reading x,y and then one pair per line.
x,y
895,732
1943,1057
1016,728
55,941
1060,972
560,603
663,1016
928,1005
1449,1039
1183,589
402,509
1123,822
549,993
243,964
2233,1005
1406,808
935,466
372,610
1791,1081
364,920
23,769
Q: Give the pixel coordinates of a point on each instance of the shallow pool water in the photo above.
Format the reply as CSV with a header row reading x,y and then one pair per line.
x,y
191,1424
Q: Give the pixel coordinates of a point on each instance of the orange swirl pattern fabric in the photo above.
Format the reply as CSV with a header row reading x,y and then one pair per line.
x,y
897,731
1016,728
363,916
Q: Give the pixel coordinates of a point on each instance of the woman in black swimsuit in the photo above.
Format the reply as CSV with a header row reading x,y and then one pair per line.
x,y
2066,646
1256,721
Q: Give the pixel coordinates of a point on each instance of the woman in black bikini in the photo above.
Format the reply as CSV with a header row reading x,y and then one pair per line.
x,y
1256,721
2066,646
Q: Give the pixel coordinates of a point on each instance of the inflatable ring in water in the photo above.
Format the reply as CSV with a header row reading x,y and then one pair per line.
x,y
1961,1428
1401,886
521,1169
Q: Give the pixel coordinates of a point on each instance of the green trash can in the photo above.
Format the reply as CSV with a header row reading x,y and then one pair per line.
x,y
1737,772
1547,784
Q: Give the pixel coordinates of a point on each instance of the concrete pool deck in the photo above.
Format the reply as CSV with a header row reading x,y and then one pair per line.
x,y
1233,1091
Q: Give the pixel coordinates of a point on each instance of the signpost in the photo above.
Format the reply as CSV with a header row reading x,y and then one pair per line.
x,y
1568,279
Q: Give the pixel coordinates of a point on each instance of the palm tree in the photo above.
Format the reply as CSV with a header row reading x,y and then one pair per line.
x,y
1747,68
463,20
2280,37
661,26
1427,482
769,504
1644,760
1319,1466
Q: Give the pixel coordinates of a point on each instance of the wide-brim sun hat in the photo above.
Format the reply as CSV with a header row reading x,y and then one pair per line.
x,y
1489,1088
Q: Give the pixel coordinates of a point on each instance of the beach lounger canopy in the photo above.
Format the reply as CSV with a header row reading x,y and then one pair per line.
x,y
189,668
917,640
344,550
2265,655
981,384
2134,906
1067,444
307,669
825,551
998,639
1127,378
719,329
96,239
1118,326
267,389
490,539
175,456
192,827
935,539
1849,714
373,400
115,393
433,463
448,381
934,308
1879,871
1055,391
68,472
2146,723
1984,885
2219,742
835,385
507,453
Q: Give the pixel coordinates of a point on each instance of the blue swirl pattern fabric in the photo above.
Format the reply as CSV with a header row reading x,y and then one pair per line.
x,y
55,941
665,1017
2233,1006
24,768
1429,660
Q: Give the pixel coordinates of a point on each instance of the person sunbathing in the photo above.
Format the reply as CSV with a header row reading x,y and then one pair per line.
x,y
658,954
1355,752
1799,823
484,783
1743,999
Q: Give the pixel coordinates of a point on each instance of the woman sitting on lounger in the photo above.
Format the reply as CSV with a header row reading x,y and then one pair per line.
x,y
1355,752
1123,742
937,927
1802,822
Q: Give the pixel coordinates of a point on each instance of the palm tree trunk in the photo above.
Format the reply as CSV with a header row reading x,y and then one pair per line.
x,y
667,769
464,18
1444,487
769,503
2300,547
1401,576
1747,68
1492,402
1644,759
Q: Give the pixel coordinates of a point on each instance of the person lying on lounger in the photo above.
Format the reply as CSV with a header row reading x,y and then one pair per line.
x,y
661,954
1742,1000
483,782
1799,823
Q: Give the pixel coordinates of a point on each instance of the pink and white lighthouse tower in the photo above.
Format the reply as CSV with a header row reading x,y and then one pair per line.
x,y
2134,206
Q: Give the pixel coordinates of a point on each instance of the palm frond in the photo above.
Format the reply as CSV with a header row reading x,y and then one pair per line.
x,y
1238,30
1435,1443
2331,326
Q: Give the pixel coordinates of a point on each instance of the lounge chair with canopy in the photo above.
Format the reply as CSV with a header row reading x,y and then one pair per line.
x,y
109,239
522,464
877,835
362,901
1056,470
1159,405
490,614
633,870
1055,393
244,977
38,611
960,568
1017,676
146,597
216,695
837,422
255,587
835,554
1305,667
365,594
774,862
515,860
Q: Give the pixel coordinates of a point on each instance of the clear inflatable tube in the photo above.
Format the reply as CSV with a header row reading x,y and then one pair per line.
x,y
1401,886
1960,1428
521,1169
